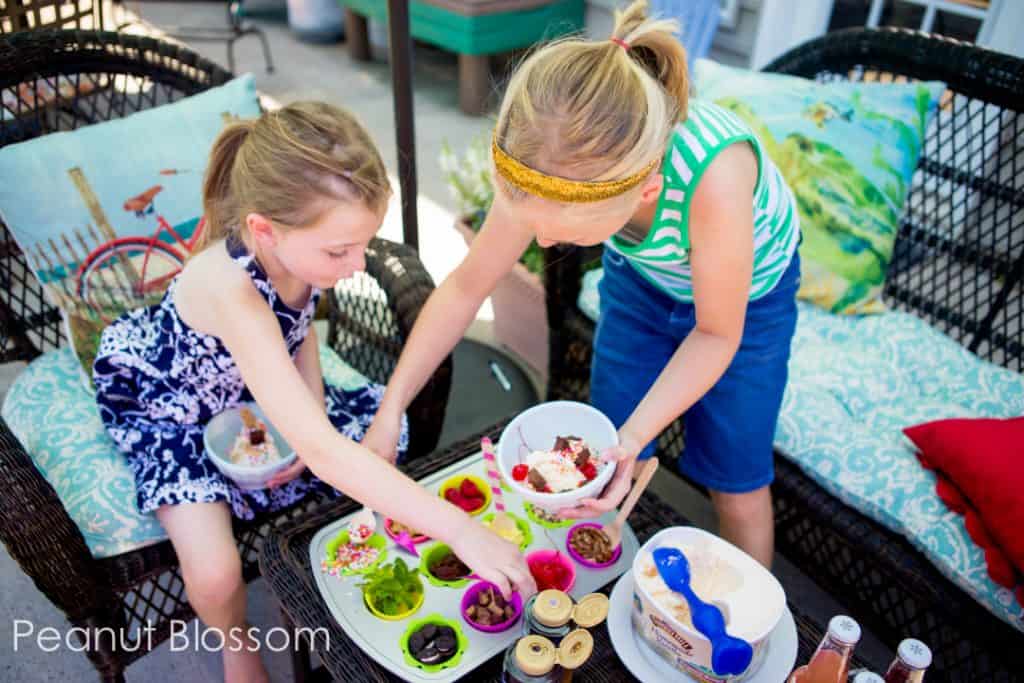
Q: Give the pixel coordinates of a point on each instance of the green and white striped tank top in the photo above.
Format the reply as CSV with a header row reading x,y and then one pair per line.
x,y
663,255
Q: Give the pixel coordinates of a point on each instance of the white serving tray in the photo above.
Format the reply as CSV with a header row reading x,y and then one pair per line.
x,y
380,639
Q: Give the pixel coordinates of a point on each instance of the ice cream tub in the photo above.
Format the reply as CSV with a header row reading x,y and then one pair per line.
x,y
751,599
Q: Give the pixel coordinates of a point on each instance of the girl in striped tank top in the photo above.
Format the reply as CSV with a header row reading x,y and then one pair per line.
x,y
597,141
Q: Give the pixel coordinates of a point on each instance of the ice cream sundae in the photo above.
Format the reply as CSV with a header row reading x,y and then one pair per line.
x,y
254,445
567,466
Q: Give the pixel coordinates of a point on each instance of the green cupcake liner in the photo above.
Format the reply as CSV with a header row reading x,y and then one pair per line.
x,y
521,524
437,619
531,513
377,541
430,553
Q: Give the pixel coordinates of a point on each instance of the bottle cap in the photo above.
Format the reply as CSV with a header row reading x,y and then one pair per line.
x,y
535,655
915,654
844,629
591,610
575,649
868,677
553,608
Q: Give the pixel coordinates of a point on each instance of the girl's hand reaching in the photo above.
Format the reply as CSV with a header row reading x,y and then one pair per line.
x,y
382,436
494,559
287,474
613,493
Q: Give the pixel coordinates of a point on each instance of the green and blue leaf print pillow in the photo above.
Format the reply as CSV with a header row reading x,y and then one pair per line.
x,y
848,151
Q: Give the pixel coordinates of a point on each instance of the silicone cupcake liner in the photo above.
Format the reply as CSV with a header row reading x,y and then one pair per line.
x,y
584,561
547,555
531,513
415,539
462,643
428,556
394,617
330,563
456,480
469,597
521,524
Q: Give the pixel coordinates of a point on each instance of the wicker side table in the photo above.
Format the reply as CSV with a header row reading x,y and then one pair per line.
x,y
285,565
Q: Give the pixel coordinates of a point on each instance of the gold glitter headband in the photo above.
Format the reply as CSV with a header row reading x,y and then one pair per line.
x,y
563,189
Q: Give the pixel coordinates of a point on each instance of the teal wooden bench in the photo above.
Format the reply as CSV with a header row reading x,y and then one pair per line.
x,y
474,29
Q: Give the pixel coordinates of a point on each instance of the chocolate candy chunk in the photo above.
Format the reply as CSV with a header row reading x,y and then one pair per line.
x,y
536,480
561,443
429,632
257,436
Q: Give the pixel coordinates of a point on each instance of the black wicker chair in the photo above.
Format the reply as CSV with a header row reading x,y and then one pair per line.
x,y
959,264
368,322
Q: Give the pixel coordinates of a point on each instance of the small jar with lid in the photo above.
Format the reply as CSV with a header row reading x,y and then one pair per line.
x,y
551,613
535,659
548,614
532,659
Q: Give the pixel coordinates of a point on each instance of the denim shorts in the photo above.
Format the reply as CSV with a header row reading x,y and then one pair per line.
x,y
729,431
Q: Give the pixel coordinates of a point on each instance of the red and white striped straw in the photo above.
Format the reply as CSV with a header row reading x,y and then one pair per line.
x,y
492,473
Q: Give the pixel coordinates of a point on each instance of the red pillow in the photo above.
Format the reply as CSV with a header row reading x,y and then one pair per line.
x,y
981,463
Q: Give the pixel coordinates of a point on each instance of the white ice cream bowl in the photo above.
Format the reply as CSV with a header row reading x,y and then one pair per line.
x,y
219,437
537,428
752,610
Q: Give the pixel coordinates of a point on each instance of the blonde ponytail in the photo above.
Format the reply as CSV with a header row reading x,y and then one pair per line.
x,y
219,209
652,42
283,163
596,110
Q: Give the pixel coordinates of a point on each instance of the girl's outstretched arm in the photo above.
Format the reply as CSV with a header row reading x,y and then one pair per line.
x,y
250,332
307,360
444,319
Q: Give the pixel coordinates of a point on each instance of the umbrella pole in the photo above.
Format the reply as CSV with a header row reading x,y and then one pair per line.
x,y
401,79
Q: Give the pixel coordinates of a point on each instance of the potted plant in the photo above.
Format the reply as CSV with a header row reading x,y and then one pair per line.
x,y
520,316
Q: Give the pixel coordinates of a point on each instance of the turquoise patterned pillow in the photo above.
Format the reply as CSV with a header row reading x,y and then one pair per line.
x,y
107,213
54,415
848,152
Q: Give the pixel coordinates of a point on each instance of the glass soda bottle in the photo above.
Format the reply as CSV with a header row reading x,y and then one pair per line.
x,y
831,661
912,658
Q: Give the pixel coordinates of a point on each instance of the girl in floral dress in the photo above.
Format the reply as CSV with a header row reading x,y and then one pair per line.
x,y
291,201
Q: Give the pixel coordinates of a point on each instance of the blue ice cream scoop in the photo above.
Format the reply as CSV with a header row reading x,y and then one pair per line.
x,y
729,655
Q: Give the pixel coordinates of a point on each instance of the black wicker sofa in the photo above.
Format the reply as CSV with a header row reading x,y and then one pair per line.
x,y
965,280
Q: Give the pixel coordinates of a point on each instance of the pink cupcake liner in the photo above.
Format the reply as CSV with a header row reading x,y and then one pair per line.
x,y
547,555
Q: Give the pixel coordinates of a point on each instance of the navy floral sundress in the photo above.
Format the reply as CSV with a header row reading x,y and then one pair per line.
x,y
158,382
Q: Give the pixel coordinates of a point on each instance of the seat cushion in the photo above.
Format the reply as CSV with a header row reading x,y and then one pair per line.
x,y
54,416
855,384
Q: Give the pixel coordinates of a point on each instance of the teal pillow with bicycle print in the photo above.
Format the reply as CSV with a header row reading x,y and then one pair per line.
x,y
106,214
